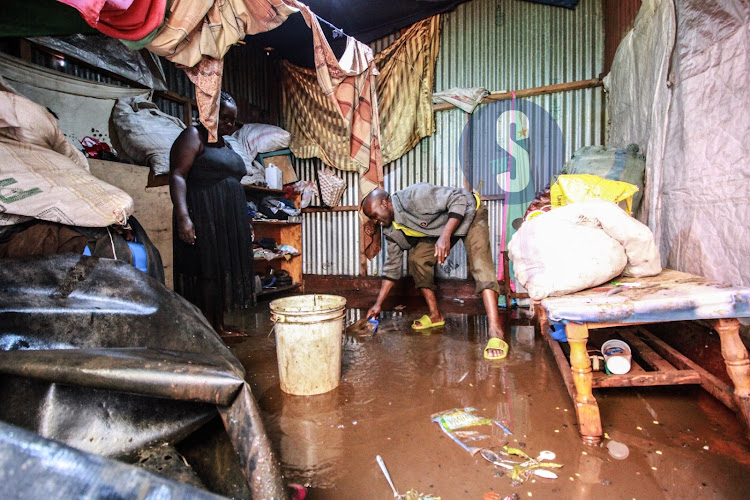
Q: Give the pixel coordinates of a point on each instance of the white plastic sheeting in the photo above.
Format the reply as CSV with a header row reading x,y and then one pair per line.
x,y
679,87
83,107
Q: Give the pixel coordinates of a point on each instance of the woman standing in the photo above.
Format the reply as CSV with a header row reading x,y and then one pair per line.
x,y
212,232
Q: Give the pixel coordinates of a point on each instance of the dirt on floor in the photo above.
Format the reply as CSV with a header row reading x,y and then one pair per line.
x,y
682,442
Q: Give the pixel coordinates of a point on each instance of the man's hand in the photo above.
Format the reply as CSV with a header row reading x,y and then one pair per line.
x,y
442,249
374,311
443,244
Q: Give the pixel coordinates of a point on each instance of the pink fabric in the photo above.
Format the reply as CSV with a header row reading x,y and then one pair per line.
x,y
504,221
135,23
123,19
206,75
91,9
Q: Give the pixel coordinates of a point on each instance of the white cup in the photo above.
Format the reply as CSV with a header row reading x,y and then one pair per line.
x,y
617,356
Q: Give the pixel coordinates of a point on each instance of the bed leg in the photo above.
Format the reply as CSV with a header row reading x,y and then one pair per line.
x,y
587,410
738,366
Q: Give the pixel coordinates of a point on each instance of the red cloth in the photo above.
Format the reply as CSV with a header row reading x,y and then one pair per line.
x,y
124,19
140,19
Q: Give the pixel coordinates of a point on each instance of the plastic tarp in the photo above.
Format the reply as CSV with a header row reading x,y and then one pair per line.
x,y
678,87
83,107
111,55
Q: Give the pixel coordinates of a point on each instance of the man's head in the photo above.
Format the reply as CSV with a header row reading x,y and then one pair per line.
x,y
377,206
227,114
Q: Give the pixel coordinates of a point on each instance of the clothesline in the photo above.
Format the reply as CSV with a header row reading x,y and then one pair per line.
x,y
337,32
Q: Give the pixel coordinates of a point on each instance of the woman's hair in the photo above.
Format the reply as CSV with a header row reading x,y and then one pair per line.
x,y
226,98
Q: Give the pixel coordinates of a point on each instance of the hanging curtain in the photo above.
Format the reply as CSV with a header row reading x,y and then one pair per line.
x,y
404,90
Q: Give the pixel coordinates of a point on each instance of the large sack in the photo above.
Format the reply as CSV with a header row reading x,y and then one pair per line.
x,y
579,246
145,133
42,176
616,164
261,138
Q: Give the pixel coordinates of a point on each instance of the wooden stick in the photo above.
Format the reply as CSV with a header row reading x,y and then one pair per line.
x,y
646,379
546,89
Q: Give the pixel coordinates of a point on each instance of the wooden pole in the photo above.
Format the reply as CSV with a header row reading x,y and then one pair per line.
x,y
546,89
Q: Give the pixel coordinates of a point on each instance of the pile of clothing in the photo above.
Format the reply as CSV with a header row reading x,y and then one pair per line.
x,y
274,208
265,248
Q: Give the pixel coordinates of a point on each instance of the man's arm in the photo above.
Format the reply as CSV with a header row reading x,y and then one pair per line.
x,y
385,288
443,244
391,273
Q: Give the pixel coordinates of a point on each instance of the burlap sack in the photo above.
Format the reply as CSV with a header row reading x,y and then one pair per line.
x,y
42,176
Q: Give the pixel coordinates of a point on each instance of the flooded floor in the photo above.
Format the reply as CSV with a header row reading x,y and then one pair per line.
x,y
682,442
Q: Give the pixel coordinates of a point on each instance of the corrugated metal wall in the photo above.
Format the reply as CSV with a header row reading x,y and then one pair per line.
x,y
500,45
251,76
619,16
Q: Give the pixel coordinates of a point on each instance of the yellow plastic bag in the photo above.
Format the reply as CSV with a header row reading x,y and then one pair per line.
x,y
584,187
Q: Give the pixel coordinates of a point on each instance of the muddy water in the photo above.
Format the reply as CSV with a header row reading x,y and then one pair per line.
x,y
682,442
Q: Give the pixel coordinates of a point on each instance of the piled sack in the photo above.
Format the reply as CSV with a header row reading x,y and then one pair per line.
x,y
145,133
42,176
616,164
579,246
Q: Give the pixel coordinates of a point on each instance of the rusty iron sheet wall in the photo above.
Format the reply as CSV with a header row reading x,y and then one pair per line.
x,y
619,16
500,45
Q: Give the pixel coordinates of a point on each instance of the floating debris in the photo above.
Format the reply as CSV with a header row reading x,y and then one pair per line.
x,y
618,450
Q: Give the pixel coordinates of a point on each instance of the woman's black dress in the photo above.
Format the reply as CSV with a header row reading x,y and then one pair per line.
x,y
222,251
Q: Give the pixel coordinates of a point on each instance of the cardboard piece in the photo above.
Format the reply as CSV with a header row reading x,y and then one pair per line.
x,y
284,162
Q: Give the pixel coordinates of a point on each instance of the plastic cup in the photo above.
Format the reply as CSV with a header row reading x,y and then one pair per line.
x,y
617,356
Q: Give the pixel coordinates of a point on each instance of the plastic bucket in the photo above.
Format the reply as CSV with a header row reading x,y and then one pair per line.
x,y
309,330
617,356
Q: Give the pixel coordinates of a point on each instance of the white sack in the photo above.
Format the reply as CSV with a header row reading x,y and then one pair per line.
x,y
580,246
261,138
145,133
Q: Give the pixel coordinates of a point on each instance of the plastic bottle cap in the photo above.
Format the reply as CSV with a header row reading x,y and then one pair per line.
x,y
618,450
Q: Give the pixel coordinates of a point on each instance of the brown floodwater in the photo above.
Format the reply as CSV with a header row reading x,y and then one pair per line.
x,y
682,442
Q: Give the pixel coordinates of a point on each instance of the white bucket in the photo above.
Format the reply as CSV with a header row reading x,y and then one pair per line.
x,y
617,356
309,330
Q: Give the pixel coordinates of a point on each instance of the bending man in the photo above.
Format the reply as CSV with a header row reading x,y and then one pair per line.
x,y
427,221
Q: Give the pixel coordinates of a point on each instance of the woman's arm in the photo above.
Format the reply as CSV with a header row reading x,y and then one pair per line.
x,y
181,157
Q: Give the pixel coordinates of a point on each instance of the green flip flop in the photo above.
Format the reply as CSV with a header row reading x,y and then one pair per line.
x,y
496,343
425,322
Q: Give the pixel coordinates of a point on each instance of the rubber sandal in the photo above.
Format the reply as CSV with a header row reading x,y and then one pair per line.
x,y
496,343
426,322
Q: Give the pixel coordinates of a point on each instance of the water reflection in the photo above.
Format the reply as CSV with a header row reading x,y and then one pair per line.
x,y
308,431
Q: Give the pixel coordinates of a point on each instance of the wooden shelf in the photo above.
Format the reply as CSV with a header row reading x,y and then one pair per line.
x,y
344,208
264,190
283,233
278,257
275,222
268,291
